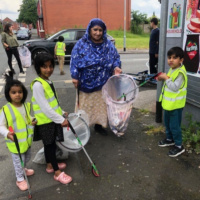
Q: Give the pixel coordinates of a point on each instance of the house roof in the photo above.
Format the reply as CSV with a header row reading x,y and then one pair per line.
x,y
8,20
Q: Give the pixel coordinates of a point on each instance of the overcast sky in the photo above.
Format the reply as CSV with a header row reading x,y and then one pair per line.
x,y
9,7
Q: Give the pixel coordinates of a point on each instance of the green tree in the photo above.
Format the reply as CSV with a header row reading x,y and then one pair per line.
x,y
28,12
137,19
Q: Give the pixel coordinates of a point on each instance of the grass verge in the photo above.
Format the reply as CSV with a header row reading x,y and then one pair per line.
x,y
152,130
133,41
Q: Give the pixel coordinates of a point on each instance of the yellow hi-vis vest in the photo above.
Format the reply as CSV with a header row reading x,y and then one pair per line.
x,y
22,129
52,100
60,47
174,100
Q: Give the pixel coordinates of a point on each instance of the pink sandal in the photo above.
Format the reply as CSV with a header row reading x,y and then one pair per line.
x,y
61,166
29,172
22,185
63,178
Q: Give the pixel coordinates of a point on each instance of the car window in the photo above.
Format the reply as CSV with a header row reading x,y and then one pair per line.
x,y
22,32
80,34
69,35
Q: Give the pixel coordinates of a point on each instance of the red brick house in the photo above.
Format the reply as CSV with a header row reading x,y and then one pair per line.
x,y
16,24
54,15
8,20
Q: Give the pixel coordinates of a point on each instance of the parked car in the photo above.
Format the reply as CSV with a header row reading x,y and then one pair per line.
x,y
15,32
24,34
71,36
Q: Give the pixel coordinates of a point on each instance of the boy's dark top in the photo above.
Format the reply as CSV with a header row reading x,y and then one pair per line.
x,y
153,42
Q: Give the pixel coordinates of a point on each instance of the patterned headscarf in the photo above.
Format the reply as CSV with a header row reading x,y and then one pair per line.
x,y
89,58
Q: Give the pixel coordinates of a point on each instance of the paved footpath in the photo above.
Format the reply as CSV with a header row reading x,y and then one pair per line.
x,y
131,168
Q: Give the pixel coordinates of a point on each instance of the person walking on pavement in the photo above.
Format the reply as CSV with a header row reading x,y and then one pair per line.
x,y
153,46
10,45
16,114
49,115
94,60
59,52
173,99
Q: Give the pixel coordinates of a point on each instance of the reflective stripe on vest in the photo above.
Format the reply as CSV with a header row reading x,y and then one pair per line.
x,y
39,111
23,131
174,100
59,49
50,97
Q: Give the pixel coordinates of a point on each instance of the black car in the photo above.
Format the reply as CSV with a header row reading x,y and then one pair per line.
x,y
71,36
23,34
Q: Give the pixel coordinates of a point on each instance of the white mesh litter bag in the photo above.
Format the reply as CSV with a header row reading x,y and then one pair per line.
x,y
82,130
25,56
119,103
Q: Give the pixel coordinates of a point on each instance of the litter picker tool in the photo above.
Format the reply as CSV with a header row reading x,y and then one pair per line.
x,y
146,81
94,169
22,163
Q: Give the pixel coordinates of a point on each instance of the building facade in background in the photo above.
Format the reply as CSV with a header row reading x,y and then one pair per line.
x,y
54,16
15,24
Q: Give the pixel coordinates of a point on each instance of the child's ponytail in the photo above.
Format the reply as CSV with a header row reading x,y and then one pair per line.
x,y
9,77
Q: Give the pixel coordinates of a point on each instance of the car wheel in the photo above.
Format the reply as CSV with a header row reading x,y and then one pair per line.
x,y
36,52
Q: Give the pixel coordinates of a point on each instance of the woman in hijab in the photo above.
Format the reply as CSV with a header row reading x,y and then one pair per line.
x,y
94,59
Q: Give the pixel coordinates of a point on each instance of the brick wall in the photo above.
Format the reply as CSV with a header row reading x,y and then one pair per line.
x,y
62,14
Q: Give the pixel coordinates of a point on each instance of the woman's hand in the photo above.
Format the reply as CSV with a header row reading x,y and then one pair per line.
x,y
65,123
75,82
117,71
65,114
10,136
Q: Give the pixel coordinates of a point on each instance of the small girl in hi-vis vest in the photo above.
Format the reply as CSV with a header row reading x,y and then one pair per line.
x,y
16,114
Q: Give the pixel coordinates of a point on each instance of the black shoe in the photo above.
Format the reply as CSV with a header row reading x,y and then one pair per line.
x,y
13,71
165,143
22,72
100,129
176,151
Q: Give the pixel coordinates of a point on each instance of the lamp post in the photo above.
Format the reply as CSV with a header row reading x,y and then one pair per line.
x,y
1,20
124,25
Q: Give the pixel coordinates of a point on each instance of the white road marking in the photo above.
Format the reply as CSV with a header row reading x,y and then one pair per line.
x,y
1,88
67,81
22,74
2,80
21,77
132,59
22,80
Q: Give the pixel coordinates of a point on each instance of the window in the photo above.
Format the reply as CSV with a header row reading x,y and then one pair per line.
x,y
80,34
70,35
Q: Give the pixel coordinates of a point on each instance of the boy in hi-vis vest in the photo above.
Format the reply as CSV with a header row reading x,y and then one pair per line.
x,y
60,53
173,97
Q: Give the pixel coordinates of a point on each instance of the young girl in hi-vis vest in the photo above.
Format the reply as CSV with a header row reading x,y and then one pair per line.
x,y
49,115
16,114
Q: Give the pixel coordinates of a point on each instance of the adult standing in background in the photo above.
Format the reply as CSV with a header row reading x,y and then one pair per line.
x,y
153,46
94,60
10,45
